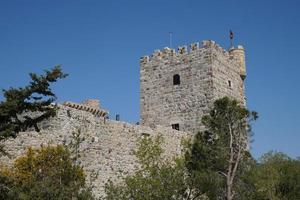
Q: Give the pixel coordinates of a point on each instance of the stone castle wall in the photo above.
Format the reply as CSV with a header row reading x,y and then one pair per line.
x,y
227,75
206,74
108,145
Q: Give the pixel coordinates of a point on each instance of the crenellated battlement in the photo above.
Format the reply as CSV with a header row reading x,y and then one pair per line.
x,y
89,105
185,50
107,145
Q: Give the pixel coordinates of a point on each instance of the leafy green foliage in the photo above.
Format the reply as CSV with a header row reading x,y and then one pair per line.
x,y
209,169
74,145
157,177
6,186
200,166
215,161
149,152
45,173
277,177
24,107
221,149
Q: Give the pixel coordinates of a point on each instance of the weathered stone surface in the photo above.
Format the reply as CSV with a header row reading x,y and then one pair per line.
x,y
108,145
206,74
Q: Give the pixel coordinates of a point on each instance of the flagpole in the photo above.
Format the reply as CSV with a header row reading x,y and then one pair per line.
x,y
231,38
170,39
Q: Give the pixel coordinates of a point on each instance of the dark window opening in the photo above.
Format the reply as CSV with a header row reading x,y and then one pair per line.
x,y
175,126
229,84
176,79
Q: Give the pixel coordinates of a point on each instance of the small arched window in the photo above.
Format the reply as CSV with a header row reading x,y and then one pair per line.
x,y
229,84
176,79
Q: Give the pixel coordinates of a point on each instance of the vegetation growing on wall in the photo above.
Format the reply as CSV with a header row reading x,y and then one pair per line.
x,y
216,165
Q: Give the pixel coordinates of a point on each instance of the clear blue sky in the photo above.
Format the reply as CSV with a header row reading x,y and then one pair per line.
x,y
99,44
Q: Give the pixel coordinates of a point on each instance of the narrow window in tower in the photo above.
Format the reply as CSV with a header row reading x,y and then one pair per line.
x,y
229,84
175,126
176,79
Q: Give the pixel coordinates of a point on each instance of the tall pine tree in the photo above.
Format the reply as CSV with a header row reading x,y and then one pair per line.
x,y
224,147
25,107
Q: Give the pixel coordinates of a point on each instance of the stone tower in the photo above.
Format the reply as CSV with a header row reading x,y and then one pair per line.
x,y
178,88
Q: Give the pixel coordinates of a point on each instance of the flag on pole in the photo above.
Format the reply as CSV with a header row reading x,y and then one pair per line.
x,y
231,35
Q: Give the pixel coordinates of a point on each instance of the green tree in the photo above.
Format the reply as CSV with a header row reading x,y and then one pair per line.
x,y
45,173
223,147
25,107
156,179
276,177
74,145
6,185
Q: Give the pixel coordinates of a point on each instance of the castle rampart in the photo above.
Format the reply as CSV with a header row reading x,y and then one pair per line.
x,y
177,89
108,145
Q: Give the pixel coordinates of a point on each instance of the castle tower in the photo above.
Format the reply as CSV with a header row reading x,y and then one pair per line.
x,y
178,88
239,54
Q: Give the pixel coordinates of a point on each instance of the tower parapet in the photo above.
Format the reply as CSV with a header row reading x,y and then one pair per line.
x,y
179,86
185,50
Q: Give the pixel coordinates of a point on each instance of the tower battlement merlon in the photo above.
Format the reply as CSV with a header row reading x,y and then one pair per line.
x,y
184,50
89,105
